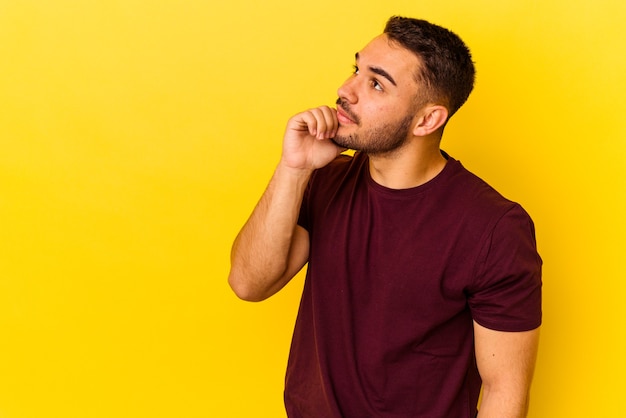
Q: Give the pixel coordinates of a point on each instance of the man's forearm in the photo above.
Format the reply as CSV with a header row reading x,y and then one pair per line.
x,y
261,252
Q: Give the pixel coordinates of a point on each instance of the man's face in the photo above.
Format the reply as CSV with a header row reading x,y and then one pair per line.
x,y
377,105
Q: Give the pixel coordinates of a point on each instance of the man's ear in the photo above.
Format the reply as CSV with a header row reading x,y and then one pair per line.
x,y
432,118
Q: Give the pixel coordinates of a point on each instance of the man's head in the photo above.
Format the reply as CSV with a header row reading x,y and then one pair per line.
x,y
407,83
446,73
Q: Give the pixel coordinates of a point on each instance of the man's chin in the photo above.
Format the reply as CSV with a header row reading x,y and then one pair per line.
x,y
342,142
337,142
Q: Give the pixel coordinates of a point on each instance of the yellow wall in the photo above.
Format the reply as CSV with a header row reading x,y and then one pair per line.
x,y
136,136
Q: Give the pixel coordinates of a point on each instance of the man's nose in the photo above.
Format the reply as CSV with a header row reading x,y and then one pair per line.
x,y
347,91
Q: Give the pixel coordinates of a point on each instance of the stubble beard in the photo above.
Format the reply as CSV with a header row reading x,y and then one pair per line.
x,y
384,139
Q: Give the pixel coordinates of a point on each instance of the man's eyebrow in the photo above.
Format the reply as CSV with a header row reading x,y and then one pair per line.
x,y
379,71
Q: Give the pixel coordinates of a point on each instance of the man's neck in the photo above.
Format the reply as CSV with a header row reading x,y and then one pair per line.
x,y
409,167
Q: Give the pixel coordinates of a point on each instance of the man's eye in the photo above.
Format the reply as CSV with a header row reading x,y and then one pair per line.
x,y
377,85
355,69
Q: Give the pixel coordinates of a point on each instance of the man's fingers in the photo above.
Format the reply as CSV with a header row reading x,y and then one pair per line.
x,y
330,122
320,122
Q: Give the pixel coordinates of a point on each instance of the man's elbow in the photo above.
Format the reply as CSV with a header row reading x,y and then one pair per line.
x,y
500,401
247,289
242,288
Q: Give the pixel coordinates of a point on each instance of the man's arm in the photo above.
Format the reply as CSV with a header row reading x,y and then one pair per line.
x,y
271,248
506,361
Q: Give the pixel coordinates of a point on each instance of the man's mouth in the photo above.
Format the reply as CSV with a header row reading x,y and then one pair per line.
x,y
344,114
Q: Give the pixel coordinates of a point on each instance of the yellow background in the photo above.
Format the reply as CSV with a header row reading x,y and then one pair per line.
x,y
136,136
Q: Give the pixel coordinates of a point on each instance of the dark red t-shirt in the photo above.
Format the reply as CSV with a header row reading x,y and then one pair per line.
x,y
395,279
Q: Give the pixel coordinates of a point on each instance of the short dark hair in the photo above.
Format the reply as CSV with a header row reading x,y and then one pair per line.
x,y
447,71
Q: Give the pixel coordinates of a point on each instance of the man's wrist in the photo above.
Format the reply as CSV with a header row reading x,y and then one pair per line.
x,y
299,173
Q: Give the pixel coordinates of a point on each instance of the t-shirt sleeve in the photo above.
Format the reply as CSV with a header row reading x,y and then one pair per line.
x,y
322,185
506,293
304,215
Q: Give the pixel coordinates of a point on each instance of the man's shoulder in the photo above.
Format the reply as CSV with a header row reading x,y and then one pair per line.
x,y
343,161
473,193
341,165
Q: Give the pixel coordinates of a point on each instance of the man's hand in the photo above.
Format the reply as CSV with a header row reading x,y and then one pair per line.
x,y
307,143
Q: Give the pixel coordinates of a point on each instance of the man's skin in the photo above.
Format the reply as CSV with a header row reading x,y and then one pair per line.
x,y
271,248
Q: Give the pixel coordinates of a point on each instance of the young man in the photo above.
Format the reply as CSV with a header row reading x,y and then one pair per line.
x,y
423,282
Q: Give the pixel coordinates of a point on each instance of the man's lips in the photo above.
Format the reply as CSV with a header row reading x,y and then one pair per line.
x,y
343,117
